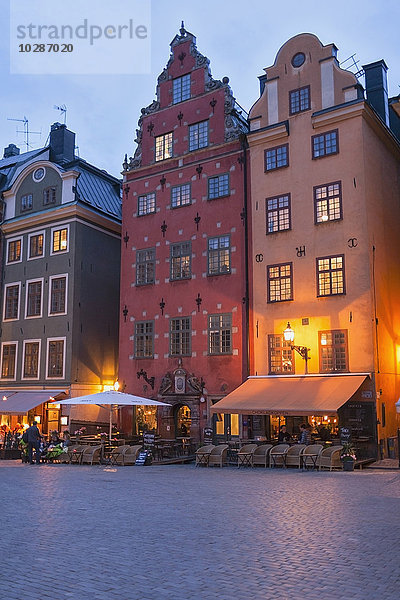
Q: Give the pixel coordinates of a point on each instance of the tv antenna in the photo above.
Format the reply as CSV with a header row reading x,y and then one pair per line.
x,y
63,111
26,131
353,65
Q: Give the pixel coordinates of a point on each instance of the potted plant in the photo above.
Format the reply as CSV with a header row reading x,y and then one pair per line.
x,y
348,457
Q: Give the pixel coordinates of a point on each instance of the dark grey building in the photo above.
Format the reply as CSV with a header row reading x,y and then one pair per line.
x,y
61,229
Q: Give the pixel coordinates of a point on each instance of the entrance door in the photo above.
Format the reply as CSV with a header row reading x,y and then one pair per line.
x,y
183,421
226,427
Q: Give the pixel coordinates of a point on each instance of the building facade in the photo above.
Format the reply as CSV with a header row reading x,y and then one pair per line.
x,y
326,233
60,281
183,279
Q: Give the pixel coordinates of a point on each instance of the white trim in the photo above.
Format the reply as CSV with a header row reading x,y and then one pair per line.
x,y
15,239
39,341
50,314
7,285
28,249
28,282
34,171
55,339
59,228
16,359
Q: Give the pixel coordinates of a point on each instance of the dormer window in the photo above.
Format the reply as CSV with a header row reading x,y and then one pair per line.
x,y
26,202
49,195
299,100
181,89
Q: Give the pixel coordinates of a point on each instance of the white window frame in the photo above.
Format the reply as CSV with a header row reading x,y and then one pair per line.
x,y
14,239
58,228
23,360
31,235
28,281
16,360
7,285
55,339
50,314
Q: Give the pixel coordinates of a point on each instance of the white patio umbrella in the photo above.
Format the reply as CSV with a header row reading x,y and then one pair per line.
x,y
111,398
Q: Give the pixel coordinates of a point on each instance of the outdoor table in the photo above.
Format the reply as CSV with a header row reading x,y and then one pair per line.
x,y
313,457
244,459
202,459
232,456
276,455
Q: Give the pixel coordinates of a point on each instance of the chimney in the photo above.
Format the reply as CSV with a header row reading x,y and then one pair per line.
x,y
11,150
62,144
376,88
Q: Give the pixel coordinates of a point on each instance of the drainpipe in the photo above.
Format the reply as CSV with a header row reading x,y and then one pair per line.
x,y
244,146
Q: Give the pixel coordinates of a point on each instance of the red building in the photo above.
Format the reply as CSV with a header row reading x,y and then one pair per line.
x,y
184,300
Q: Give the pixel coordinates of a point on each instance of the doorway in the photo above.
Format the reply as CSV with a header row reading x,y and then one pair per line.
x,y
183,421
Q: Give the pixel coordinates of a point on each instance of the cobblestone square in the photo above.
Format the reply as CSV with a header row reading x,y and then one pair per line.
x,y
177,532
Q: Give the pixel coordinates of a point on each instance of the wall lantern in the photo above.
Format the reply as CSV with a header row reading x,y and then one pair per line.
x,y
288,335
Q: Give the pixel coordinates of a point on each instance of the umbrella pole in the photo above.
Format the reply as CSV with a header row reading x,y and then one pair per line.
x,y
110,431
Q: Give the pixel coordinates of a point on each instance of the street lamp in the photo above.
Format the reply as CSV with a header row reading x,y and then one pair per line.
x,y
288,335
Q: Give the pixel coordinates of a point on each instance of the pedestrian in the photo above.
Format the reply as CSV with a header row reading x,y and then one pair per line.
x,y
284,436
305,435
33,438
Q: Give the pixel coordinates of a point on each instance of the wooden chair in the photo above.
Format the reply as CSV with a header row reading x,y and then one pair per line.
x,y
245,455
129,457
294,455
218,456
310,455
203,454
277,455
261,455
330,458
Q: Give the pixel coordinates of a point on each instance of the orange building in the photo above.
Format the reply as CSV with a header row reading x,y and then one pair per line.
x,y
324,165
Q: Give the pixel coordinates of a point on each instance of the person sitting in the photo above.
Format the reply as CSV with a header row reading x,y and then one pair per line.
x,y
284,436
66,439
305,435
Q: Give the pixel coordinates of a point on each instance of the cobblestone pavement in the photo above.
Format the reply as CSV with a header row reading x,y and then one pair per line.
x,y
177,532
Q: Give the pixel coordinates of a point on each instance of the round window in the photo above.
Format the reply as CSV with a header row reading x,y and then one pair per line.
x,y
38,174
298,59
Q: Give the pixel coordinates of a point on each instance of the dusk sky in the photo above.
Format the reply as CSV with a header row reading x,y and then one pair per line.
x,y
239,38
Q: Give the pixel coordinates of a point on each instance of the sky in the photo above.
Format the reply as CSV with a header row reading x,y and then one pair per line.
x,y
239,38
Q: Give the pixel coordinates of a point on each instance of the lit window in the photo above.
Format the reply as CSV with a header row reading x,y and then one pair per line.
x,y
55,358
36,245
146,204
325,144
219,255
31,360
8,360
220,334
328,202
280,355
164,146
333,354
180,336
181,260
180,195
278,213
280,282
14,251
330,275
277,158
26,202
198,135
58,287
181,89
34,299
144,339
60,240
218,186
11,302
145,266
299,100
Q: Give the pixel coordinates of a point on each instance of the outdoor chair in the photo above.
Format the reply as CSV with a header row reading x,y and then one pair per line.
x,y
218,456
203,454
91,454
116,456
245,455
310,455
277,455
129,457
330,458
261,455
294,455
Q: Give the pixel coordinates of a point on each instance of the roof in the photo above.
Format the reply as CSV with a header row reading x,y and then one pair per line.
x,y
9,166
306,395
19,403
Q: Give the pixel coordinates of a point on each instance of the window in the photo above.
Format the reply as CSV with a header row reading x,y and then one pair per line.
x,y
219,255
34,299
218,186
333,354
60,240
181,258
181,89
144,339
330,275
325,144
11,301
145,266
180,336
220,334
328,202
55,358
26,202
49,195
164,146
8,360
280,282
299,100
280,356
38,174
277,158
181,195
198,135
31,359
278,213
57,300
14,253
147,204
36,245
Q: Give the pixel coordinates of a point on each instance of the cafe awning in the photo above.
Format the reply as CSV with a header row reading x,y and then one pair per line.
x,y
290,395
19,403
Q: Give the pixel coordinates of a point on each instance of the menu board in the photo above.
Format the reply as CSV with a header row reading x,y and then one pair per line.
x,y
359,418
143,458
148,438
208,435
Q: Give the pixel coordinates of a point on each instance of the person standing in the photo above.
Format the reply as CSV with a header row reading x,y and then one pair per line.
x,y
33,439
305,437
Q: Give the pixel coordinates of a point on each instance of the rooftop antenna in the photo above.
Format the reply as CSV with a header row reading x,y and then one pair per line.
x,y
353,65
26,131
63,111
